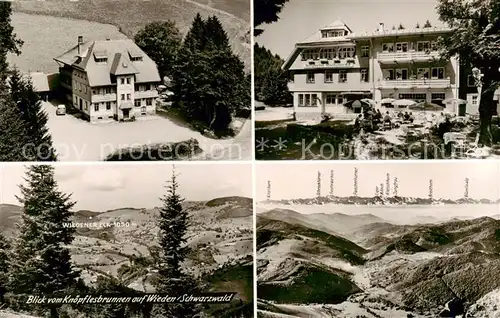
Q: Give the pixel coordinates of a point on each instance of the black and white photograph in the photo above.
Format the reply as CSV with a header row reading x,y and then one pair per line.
x,y
378,240
128,80
110,231
376,79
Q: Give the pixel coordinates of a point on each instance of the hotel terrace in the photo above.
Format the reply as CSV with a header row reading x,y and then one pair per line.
x,y
335,66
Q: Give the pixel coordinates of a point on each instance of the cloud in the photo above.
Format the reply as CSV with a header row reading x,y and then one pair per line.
x,y
103,179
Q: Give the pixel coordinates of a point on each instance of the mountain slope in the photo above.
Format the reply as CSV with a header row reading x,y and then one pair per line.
x,y
131,15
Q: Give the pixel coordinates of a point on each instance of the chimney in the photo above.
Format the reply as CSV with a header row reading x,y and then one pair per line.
x,y
381,27
80,42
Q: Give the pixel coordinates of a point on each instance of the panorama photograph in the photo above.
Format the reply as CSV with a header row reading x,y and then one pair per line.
x,y
126,230
396,80
127,80
378,240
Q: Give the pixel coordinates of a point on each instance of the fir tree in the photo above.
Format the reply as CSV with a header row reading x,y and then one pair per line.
x,y
216,35
14,143
41,262
9,43
417,26
35,118
4,268
427,24
195,39
205,92
172,280
401,27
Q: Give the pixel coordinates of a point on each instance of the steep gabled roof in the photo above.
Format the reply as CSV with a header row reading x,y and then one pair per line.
x,y
117,53
122,66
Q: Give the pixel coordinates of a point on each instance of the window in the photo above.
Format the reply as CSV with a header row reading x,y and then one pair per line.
x,y
388,47
390,75
137,103
108,105
365,51
306,100
474,100
95,91
423,46
364,75
342,76
149,102
143,110
128,80
136,59
331,99
122,81
328,77
438,96
310,78
123,96
433,45
128,96
107,90
101,60
402,47
96,107
423,73
471,82
86,106
85,89
437,73
418,97
401,74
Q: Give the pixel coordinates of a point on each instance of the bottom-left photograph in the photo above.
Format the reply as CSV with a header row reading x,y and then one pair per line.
x,y
126,240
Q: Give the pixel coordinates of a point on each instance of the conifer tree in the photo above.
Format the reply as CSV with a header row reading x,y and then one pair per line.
x,y
216,35
14,144
172,280
206,92
9,43
195,39
427,24
4,251
41,262
34,117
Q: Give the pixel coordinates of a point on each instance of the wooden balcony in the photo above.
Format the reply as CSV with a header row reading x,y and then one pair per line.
x,y
430,83
406,57
329,64
103,98
146,94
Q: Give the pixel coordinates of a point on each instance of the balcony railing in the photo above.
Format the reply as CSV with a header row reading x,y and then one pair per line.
x,y
104,98
391,57
336,63
429,83
146,94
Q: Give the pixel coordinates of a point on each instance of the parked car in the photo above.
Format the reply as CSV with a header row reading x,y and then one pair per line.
x,y
61,110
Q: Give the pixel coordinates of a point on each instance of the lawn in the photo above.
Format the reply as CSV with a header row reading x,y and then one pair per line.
x,y
325,141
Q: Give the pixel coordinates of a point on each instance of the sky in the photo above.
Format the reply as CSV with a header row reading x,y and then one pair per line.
x,y
302,18
299,180
104,187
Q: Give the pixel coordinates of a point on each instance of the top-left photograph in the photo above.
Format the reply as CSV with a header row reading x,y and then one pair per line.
x,y
127,80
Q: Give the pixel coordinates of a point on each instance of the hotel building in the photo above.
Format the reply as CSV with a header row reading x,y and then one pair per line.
x,y
335,66
112,79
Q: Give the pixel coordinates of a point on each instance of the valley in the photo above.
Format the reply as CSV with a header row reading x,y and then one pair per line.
x,y
220,237
368,263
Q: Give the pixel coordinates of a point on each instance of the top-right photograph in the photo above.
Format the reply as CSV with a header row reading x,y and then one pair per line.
x,y
377,80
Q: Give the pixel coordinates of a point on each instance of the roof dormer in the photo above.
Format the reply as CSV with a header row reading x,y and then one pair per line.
x,y
134,55
100,56
335,30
